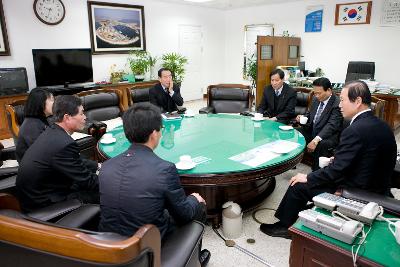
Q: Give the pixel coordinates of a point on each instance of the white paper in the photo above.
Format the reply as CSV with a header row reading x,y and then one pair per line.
x,y
77,135
113,123
259,155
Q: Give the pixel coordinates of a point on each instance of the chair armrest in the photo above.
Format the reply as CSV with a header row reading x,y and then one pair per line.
x,y
8,153
181,110
390,205
182,247
7,172
55,211
206,110
95,129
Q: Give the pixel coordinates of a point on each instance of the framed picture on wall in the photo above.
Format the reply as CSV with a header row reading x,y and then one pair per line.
x,y
4,48
116,28
353,13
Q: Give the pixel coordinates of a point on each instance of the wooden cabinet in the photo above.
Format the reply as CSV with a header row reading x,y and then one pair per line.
x,y
5,100
272,52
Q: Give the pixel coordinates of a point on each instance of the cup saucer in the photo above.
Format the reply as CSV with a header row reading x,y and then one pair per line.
x,y
185,166
108,141
285,127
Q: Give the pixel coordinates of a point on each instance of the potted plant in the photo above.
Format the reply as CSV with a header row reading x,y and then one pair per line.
x,y
250,71
176,63
152,63
139,63
115,75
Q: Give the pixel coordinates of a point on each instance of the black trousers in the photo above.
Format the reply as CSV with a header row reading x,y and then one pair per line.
x,y
325,147
295,200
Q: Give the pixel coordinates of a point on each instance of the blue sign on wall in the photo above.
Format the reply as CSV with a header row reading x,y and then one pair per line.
x,y
314,19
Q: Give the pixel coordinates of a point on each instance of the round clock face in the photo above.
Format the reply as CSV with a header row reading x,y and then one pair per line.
x,y
50,12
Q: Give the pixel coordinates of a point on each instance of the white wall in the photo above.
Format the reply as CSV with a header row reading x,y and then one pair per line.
x,y
330,49
223,31
162,20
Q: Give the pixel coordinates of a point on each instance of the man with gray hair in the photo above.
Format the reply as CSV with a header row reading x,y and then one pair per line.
x,y
364,159
52,169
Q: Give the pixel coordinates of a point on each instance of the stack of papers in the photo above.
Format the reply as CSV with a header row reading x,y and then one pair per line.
x,y
171,116
113,123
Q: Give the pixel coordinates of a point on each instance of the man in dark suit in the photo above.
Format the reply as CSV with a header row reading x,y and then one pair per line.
x,y
279,99
324,122
148,188
52,169
364,159
166,94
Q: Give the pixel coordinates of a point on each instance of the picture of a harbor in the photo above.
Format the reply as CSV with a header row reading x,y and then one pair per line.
x,y
117,28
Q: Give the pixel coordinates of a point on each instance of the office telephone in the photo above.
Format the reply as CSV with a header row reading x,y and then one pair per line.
x,y
338,228
362,212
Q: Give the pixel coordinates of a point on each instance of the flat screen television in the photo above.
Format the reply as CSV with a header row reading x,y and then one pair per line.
x,y
13,81
62,66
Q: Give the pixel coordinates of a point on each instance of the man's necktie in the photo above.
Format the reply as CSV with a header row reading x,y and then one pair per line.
x,y
319,111
277,93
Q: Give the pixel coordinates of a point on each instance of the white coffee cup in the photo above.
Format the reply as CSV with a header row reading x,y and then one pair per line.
x,y
185,159
258,116
107,136
324,161
303,119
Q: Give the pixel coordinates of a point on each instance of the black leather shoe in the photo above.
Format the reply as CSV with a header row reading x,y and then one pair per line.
x,y
204,257
275,230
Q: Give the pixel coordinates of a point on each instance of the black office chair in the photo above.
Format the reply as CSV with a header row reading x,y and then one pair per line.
x,y
139,93
357,70
227,98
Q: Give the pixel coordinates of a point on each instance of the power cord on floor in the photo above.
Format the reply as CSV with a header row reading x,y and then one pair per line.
x,y
257,210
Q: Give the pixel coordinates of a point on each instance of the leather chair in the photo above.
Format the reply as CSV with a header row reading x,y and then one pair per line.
x,y
139,93
102,104
378,107
303,100
7,174
357,70
64,244
15,118
228,98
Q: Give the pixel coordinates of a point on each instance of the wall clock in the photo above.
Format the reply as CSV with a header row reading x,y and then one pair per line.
x,y
50,12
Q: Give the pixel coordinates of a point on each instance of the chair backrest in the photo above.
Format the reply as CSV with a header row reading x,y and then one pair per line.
x,y
229,98
15,116
102,104
139,93
303,100
41,243
378,107
357,70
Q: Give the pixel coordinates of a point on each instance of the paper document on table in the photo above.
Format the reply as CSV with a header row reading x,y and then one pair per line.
x,y
113,123
77,135
259,155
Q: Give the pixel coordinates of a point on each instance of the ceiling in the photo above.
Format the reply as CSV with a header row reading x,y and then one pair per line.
x,y
230,4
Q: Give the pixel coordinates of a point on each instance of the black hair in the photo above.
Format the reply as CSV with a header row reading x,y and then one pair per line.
x,y
163,69
36,104
279,72
323,82
65,104
140,121
358,89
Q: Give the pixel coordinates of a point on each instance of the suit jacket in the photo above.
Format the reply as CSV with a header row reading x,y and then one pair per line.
x,y
329,124
365,157
136,188
287,102
29,131
52,169
162,99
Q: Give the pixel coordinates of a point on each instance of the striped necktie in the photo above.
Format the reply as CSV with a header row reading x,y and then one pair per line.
x,y
319,112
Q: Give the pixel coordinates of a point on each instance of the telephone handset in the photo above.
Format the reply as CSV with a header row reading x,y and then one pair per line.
x,y
334,227
354,209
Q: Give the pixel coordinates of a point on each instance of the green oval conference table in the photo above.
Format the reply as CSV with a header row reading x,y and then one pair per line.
x,y
236,158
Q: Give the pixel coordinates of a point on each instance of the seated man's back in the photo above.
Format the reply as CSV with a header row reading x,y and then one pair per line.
x,y
138,188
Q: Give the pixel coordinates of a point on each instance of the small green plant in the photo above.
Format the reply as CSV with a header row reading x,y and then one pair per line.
x,y
319,72
139,62
250,71
115,75
176,63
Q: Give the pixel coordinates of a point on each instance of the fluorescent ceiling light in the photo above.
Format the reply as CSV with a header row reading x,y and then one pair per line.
x,y
198,1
